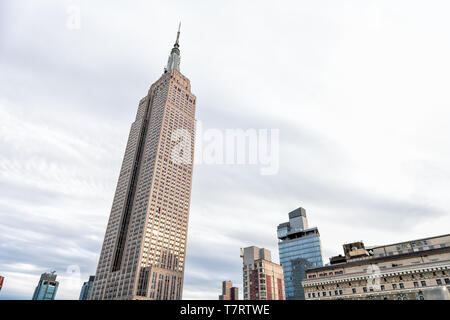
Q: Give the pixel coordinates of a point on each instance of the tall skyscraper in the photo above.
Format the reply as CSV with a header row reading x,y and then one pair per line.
x,y
86,289
263,279
299,249
229,292
47,287
143,253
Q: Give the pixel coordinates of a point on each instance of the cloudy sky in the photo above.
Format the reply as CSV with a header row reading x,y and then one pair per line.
x,y
358,89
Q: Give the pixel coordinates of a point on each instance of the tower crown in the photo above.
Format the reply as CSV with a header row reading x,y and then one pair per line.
x,y
174,57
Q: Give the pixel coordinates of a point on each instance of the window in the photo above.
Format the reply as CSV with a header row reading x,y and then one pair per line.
x,y
340,292
439,282
402,286
309,295
382,287
365,289
354,290
416,284
335,292
394,286
324,294
447,281
423,283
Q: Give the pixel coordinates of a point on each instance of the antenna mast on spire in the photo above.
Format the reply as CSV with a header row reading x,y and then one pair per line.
x,y
178,35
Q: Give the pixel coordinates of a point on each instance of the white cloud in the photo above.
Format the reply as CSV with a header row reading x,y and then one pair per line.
x,y
358,90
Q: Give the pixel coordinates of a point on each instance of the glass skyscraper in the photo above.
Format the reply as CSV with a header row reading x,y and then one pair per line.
x,y
47,287
299,249
86,289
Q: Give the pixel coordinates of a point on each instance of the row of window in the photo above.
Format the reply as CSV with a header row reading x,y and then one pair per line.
x,y
382,287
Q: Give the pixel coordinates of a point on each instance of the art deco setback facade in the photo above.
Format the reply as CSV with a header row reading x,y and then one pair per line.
x,y
262,279
411,270
143,253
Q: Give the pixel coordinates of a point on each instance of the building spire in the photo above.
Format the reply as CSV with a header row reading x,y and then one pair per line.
x,y
178,35
174,58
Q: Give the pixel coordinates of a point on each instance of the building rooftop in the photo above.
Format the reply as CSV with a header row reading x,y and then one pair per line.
x,y
371,260
416,240
299,212
300,234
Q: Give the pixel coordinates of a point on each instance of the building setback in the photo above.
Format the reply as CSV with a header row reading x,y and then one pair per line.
x,y
411,270
229,292
262,279
299,249
144,249
47,287
86,289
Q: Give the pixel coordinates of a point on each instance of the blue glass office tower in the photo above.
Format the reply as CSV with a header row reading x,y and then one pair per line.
x,y
86,289
299,249
47,287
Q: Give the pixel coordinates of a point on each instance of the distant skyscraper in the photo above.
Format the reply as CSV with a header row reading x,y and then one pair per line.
x,y
229,292
86,289
143,253
1,282
299,249
47,287
263,279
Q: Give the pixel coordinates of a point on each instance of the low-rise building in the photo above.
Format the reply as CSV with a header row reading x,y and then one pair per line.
x,y
262,279
402,271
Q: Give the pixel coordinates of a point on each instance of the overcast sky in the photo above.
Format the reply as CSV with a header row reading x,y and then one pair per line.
x,y
358,89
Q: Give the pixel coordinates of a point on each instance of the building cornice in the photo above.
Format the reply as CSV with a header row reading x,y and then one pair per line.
x,y
395,271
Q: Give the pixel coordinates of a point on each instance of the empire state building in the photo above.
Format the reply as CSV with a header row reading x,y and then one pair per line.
x,y
144,250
